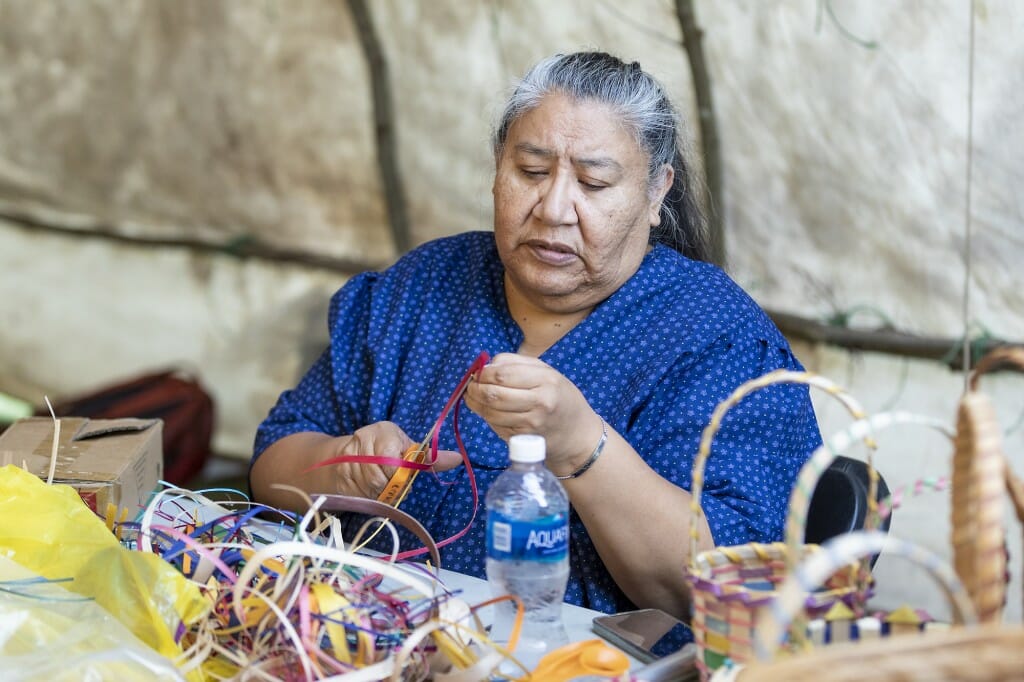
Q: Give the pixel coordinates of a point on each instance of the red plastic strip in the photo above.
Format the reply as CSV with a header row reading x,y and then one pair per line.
x,y
474,369
472,485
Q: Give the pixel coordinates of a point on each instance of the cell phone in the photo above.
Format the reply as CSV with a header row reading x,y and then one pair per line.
x,y
645,634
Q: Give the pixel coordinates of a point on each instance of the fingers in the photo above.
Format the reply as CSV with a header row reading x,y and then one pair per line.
x,y
515,394
447,459
520,394
514,371
486,398
511,383
368,479
383,439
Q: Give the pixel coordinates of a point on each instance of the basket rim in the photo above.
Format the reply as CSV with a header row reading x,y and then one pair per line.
x,y
703,584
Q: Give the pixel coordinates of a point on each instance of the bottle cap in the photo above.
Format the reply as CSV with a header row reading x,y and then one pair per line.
x,y
527,448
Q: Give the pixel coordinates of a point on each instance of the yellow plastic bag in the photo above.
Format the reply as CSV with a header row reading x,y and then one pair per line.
x,y
49,634
49,531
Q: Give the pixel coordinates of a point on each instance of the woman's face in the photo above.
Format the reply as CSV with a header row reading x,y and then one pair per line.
x,y
572,205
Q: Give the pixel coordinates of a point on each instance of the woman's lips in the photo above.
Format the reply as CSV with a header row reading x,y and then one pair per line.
x,y
551,254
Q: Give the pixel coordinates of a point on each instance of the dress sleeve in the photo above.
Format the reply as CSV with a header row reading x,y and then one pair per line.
x,y
333,393
755,455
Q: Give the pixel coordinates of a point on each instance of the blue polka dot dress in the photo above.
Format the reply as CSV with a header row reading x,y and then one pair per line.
x,y
653,360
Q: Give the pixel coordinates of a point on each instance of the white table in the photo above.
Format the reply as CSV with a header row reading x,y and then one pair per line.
x,y
577,621
474,590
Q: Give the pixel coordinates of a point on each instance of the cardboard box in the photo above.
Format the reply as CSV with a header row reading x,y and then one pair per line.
x,y
117,461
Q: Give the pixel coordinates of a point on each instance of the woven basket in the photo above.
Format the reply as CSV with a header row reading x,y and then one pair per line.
x,y
980,473
956,654
989,652
729,584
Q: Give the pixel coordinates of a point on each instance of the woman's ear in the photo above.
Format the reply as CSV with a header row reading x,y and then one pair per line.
x,y
659,189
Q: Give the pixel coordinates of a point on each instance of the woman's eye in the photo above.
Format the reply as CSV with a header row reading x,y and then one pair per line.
x,y
593,187
533,173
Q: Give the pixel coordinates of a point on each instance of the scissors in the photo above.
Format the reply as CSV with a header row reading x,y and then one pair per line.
x,y
589,657
398,485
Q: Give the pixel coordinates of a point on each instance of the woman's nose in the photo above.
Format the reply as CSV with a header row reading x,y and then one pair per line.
x,y
556,204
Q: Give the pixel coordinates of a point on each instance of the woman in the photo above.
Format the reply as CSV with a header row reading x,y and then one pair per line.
x,y
609,336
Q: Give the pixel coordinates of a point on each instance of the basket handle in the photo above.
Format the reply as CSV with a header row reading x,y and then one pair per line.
x,y
813,468
778,376
996,358
834,555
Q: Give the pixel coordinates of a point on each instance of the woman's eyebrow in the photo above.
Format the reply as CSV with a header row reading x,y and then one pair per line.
x,y
587,162
533,150
598,162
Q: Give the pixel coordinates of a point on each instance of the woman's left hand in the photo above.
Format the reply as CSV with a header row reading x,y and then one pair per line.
x,y
521,394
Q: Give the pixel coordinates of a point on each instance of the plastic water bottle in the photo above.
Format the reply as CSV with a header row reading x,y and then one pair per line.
x,y
528,549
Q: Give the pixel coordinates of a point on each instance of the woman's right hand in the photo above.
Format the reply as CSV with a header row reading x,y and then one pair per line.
x,y
381,439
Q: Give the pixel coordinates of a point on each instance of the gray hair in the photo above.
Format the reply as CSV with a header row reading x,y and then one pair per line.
x,y
645,109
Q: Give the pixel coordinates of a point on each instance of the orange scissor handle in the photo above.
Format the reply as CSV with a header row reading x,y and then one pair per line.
x,y
589,657
398,484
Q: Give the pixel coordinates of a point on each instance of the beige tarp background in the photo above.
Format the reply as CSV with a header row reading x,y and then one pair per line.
x,y
142,142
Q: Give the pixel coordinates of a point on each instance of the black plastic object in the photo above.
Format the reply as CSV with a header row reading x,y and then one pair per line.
x,y
840,501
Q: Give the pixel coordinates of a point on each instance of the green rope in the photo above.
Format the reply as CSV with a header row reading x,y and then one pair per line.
x,y
827,4
841,318
979,345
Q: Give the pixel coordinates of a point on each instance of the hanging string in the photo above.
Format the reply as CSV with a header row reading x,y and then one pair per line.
x,y
627,18
846,33
967,211
901,387
1016,425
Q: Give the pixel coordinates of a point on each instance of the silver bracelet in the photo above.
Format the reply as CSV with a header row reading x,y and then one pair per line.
x,y
593,455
